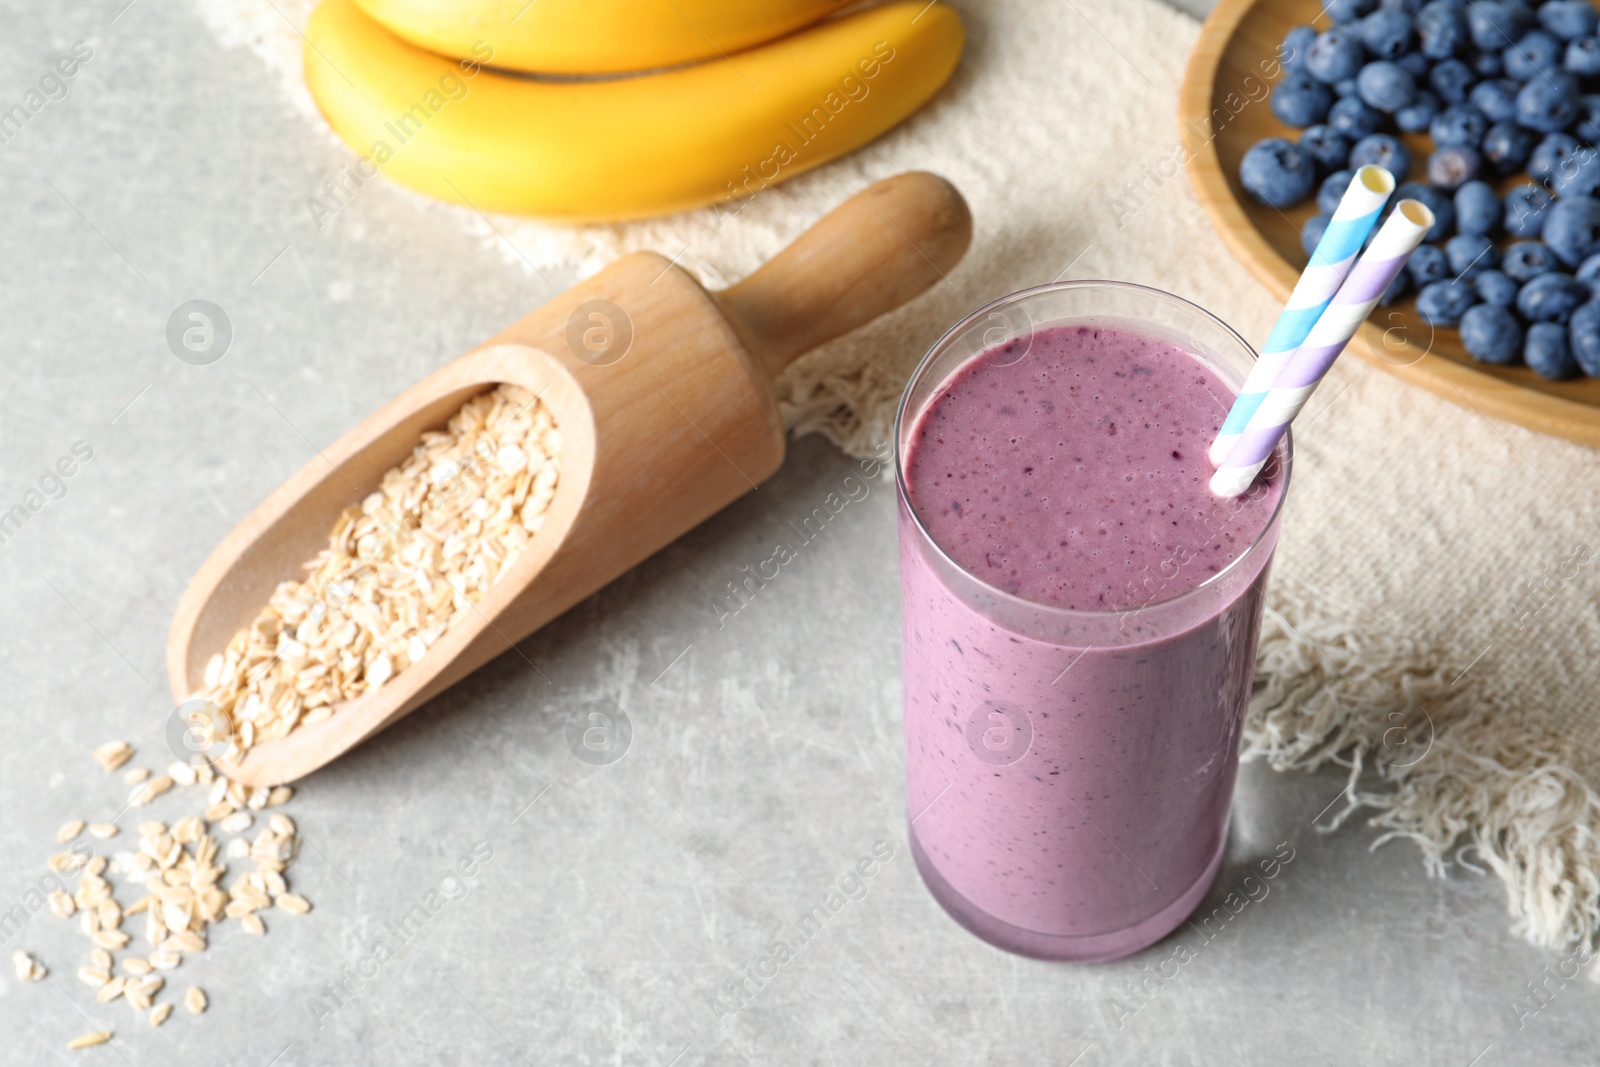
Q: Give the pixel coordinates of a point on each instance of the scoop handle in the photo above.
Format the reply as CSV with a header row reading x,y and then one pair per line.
x,y
869,255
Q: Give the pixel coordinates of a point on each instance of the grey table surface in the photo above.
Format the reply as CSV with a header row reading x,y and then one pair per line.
x,y
618,902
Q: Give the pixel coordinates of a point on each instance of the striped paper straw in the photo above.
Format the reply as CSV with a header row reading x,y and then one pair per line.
x,y
1330,263
1373,273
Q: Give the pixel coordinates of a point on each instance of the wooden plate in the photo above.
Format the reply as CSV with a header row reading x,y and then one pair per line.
x,y
1224,77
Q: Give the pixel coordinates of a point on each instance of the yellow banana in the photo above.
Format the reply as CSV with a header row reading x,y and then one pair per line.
x,y
595,36
628,147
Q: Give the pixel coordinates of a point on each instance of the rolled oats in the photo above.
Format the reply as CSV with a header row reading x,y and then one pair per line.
x,y
401,568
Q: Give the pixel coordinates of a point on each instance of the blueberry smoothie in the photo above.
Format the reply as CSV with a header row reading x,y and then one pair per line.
x,y
1080,625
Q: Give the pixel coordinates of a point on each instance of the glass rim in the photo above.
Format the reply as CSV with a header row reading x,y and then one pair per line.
x,y
1250,550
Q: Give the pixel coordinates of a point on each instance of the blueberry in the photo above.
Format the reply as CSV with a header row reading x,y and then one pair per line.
x,y
1569,19
1577,176
1292,52
1440,203
1572,229
1477,208
1548,104
1535,55
1443,303
1526,207
1549,155
1470,255
1346,88
1333,189
1496,287
1588,125
1348,10
1486,64
1354,119
1459,125
1441,29
1386,86
1583,57
1335,55
1551,297
1278,172
1405,7
1493,25
1452,80
1311,233
1300,100
1328,148
1448,168
1548,352
1397,289
1583,333
1491,334
1496,98
1415,64
1428,264
1589,274
1526,260
1382,150
1416,117
1387,34
1507,146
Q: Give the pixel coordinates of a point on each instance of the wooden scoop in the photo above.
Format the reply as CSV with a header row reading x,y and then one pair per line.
x,y
663,395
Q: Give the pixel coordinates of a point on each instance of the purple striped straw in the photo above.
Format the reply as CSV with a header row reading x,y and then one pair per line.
x,y
1373,273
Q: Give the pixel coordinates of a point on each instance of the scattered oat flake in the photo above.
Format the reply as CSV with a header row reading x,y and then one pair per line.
x,y
252,924
113,754
238,822
90,976
61,904
194,998
137,775
103,830
148,791
89,1040
159,1013
279,794
26,967
294,903
66,862
69,830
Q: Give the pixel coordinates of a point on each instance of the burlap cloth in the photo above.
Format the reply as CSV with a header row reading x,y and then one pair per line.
x,y
1402,639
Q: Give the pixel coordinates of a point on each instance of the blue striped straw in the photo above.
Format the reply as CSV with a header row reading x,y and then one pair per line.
x,y
1374,272
1330,264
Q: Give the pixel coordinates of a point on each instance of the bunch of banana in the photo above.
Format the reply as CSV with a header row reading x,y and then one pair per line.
x,y
407,84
